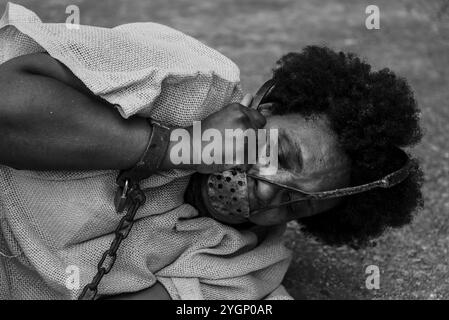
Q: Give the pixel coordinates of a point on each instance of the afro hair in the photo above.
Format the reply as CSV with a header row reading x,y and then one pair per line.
x,y
372,113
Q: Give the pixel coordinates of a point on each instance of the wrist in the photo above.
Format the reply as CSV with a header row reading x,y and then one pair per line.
x,y
152,158
175,148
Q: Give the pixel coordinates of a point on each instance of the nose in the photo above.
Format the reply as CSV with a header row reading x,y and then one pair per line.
x,y
266,191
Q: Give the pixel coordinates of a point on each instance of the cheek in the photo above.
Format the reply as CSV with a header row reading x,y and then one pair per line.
x,y
272,217
267,191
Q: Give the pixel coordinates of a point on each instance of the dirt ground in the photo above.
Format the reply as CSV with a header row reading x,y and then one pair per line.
x,y
413,40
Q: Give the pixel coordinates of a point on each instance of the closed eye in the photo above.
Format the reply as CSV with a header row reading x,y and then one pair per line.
x,y
283,155
290,155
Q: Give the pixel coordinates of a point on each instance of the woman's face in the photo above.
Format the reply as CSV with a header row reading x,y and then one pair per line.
x,y
309,159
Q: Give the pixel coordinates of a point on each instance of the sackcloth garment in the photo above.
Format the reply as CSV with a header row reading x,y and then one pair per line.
x,y
55,221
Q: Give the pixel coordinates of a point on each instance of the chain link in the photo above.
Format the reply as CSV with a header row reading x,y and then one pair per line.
x,y
104,266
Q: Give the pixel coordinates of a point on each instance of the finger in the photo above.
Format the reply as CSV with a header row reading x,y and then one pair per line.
x,y
266,109
255,117
247,99
243,167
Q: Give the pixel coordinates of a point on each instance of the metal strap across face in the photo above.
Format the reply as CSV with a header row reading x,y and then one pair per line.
x,y
299,195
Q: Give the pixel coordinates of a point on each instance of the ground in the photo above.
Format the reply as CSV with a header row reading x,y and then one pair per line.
x,y
413,40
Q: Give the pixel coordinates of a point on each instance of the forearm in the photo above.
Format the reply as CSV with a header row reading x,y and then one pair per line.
x,y
45,124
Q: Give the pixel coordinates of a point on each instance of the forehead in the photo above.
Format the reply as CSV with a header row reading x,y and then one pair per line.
x,y
321,164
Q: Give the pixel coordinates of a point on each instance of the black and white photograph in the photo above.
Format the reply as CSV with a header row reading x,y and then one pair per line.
x,y
247,151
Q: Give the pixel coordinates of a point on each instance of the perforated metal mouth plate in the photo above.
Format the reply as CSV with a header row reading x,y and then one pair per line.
x,y
228,193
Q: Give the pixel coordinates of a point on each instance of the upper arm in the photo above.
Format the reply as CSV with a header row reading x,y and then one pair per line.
x,y
40,64
37,63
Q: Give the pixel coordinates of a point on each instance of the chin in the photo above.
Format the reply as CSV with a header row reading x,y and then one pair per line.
x,y
268,218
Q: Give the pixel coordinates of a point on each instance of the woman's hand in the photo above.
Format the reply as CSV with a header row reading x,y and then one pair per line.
x,y
232,117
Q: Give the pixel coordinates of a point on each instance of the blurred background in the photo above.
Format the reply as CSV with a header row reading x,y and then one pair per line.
x,y
413,40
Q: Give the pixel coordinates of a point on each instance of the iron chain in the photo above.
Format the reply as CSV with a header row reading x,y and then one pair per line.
x,y
137,199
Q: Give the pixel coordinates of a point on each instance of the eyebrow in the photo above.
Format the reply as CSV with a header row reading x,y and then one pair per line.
x,y
292,148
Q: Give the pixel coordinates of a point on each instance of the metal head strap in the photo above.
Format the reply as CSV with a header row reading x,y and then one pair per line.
x,y
262,93
388,181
